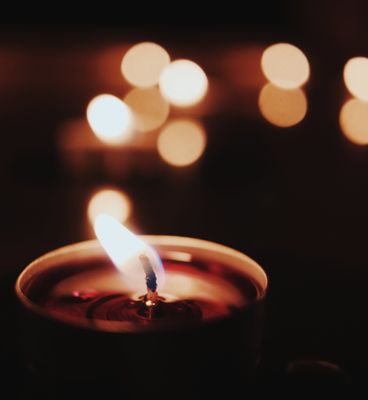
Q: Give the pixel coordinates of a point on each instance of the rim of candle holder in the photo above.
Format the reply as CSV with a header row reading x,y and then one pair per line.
x,y
220,253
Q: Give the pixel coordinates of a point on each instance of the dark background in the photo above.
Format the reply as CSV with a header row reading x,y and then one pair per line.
x,y
295,199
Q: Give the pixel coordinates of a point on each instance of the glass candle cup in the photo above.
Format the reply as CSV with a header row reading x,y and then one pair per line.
x,y
83,325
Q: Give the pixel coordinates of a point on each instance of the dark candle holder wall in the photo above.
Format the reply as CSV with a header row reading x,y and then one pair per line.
x,y
67,346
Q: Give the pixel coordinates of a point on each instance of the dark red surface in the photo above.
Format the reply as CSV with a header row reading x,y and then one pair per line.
x,y
294,199
86,306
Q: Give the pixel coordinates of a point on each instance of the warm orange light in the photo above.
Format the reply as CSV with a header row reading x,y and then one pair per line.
x,y
143,63
183,83
285,66
182,142
282,107
149,108
124,249
109,201
356,77
354,121
110,119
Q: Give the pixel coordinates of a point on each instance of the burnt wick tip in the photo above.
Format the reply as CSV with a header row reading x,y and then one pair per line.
x,y
151,279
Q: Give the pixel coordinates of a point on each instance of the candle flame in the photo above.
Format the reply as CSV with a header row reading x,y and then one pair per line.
x,y
125,249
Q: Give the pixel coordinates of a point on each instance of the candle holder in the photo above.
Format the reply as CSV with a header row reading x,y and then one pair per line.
x,y
80,325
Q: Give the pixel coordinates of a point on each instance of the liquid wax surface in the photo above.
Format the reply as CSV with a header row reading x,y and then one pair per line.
x,y
94,294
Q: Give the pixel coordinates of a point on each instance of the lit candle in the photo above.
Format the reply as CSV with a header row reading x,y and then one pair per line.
x,y
189,308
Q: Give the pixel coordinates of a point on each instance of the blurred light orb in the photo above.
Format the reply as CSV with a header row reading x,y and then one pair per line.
x,y
354,121
109,201
356,77
182,142
285,66
143,63
150,110
183,83
109,118
280,107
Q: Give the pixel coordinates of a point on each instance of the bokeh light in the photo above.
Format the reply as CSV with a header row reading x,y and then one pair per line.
x,y
285,66
182,142
143,63
110,119
354,121
110,201
356,77
150,109
280,107
183,83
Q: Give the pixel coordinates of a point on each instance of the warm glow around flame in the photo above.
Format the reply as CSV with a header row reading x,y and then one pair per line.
x,y
110,119
124,249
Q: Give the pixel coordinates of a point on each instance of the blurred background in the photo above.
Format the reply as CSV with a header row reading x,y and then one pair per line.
x,y
260,148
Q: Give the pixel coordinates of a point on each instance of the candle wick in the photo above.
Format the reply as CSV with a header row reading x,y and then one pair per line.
x,y
151,281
